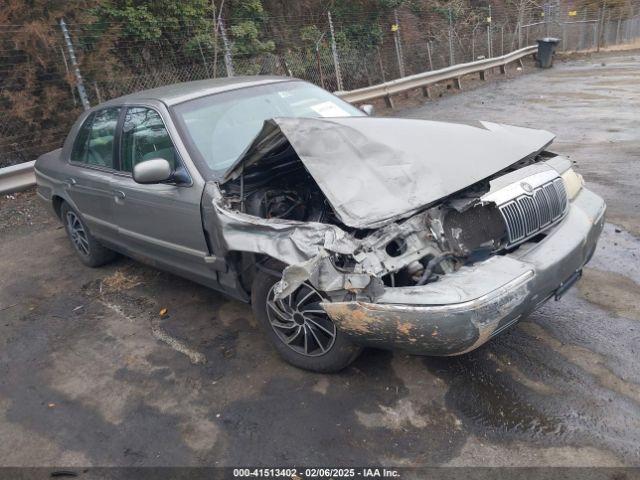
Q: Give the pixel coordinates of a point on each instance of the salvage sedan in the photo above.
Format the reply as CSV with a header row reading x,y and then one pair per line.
x,y
343,230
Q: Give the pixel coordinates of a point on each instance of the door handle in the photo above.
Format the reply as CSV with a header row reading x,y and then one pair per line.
x,y
119,195
70,182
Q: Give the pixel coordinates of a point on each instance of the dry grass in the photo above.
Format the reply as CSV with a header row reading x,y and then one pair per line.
x,y
120,280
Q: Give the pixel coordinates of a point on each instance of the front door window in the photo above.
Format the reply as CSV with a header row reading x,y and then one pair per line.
x,y
144,137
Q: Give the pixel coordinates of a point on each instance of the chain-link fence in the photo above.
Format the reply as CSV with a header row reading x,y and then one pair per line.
x,y
50,72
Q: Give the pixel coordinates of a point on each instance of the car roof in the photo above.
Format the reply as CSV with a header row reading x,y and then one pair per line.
x,y
181,92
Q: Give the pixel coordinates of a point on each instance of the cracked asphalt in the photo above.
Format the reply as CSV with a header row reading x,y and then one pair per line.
x,y
92,375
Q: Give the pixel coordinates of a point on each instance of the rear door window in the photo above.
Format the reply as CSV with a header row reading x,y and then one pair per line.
x,y
95,141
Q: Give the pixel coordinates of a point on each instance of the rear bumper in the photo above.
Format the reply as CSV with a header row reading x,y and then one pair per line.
x,y
465,309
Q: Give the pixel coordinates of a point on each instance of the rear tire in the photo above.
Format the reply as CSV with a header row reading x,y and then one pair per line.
x,y
87,248
300,331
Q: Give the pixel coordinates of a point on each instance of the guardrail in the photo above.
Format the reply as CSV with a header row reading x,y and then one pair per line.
x,y
426,79
19,177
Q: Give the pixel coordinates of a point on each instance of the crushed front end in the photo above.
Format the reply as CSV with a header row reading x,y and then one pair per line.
x,y
464,309
441,278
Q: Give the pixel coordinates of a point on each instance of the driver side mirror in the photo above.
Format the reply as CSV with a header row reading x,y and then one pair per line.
x,y
368,109
156,170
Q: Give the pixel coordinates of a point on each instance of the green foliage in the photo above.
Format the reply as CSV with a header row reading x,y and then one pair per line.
x,y
359,36
247,28
138,22
248,10
246,39
366,32
198,45
152,20
310,35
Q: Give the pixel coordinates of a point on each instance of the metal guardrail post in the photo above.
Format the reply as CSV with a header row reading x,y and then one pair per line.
x,y
74,63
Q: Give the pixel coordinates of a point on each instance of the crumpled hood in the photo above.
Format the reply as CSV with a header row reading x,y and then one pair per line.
x,y
374,170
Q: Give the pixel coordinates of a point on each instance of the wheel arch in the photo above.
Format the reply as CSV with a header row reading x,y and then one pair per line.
x,y
248,264
56,203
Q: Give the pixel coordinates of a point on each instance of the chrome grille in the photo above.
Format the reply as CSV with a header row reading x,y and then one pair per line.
x,y
528,215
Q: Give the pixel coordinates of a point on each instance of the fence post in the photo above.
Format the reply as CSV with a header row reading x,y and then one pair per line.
x,y
451,56
489,52
228,60
582,39
319,63
597,29
204,60
429,55
396,38
95,87
601,28
334,50
74,63
66,67
546,9
384,79
473,44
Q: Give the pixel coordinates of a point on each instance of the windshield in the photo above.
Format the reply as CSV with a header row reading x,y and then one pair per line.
x,y
219,127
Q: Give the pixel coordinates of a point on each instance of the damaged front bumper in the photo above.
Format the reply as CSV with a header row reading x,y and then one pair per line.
x,y
463,310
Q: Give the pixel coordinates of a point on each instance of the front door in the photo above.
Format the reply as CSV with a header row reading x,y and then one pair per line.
x,y
160,223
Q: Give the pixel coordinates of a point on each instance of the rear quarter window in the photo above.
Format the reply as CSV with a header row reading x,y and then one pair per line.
x,y
79,150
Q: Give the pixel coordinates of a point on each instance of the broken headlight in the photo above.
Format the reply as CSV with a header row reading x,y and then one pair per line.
x,y
477,229
573,182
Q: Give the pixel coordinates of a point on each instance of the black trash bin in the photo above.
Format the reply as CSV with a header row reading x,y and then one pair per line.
x,y
546,49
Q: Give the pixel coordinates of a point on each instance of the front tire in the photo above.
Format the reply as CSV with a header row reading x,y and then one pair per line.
x,y
300,330
87,248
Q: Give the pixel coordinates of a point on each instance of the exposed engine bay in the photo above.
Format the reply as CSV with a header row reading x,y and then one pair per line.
x,y
280,188
318,241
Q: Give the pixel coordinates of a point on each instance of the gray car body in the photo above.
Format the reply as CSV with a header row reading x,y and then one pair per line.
x,y
159,224
189,230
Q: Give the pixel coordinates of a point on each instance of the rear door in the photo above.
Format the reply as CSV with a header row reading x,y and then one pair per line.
x,y
160,222
89,183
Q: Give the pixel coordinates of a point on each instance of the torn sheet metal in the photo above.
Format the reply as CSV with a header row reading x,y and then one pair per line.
x,y
374,170
304,246
288,241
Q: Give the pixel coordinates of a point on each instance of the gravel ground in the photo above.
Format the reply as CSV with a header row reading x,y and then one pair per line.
x,y
92,374
22,213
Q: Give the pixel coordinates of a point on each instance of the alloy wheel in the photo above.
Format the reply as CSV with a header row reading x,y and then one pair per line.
x,y
300,322
77,233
